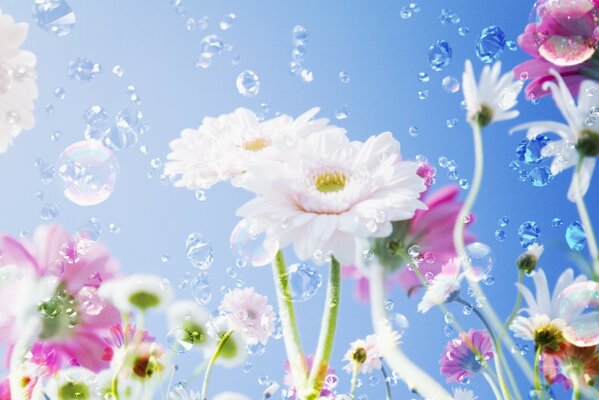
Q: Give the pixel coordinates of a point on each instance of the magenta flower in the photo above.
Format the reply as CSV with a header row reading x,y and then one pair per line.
x,y
565,39
432,231
64,341
327,388
466,355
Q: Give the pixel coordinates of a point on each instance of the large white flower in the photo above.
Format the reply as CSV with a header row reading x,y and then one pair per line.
x,y
17,82
492,99
579,136
222,148
331,192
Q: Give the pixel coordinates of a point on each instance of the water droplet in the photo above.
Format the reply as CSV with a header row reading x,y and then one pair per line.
x,y
399,323
82,70
118,71
448,330
251,243
423,94
90,301
200,289
49,212
511,45
451,123
423,77
179,340
540,176
306,75
248,83
211,45
344,77
227,21
60,93
304,281
96,116
439,55
54,16
199,251
490,44
299,35
88,172
529,233
479,261
464,184
342,112
450,84
413,131
529,151
557,222
88,234
55,136
500,235
575,236
449,318
463,30
45,170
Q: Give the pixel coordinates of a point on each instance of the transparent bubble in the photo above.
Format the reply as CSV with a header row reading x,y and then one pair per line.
x,y
399,323
49,212
90,301
579,304
82,70
490,44
200,289
88,172
479,261
248,83
439,55
251,242
199,251
179,340
54,16
529,233
304,281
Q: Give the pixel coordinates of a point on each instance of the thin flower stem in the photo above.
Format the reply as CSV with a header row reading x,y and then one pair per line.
x,y
417,380
496,344
221,343
327,332
291,337
387,384
537,378
458,240
576,395
354,380
493,385
585,220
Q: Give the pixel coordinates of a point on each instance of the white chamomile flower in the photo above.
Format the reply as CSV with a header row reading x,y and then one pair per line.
x,y
579,144
364,354
492,99
331,193
73,383
463,394
233,352
138,292
188,315
528,260
17,82
230,396
222,148
443,285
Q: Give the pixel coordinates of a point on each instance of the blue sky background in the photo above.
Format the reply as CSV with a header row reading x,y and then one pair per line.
x,y
383,55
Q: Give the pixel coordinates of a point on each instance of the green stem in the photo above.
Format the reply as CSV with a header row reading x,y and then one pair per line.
x,y
327,332
354,380
291,336
387,384
496,344
585,219
576,395
221,343
458,240
537,377
493,385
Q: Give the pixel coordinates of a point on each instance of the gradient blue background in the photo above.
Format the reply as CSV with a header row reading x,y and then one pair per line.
x,y
383,54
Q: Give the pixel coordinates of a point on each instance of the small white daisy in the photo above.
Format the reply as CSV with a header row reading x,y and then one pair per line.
x,y
17,82
138,292
463,394
366,354
443,285
492,99
528,260
579,144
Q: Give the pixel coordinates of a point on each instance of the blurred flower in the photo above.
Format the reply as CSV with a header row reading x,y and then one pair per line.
x,y
528,260
41,281
179,393
230,396
579,146
189,316
580,363
331,193
233,352
223,148
17,82
270,390
71,383
327,388
138,292
564,38
539,328
466,355
463,394
366,354
493,97
442,286
249,314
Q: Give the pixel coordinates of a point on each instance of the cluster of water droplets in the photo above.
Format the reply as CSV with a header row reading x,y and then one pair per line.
x,y
530,153
299,41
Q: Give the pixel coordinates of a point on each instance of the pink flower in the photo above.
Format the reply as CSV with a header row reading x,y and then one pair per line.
x,y
248,314
5,390
466,355
329,383
432,230
564,39
442,286
367,353
39,261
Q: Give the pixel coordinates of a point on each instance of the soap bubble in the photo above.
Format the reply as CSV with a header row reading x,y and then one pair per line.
x,y
478,262
252,243
580,302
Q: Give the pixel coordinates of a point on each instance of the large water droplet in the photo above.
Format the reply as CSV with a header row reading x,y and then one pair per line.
x,y
304,281
88,172
490,44
529,151
178,340
90,301
211,46
529,233
82,70
540,176
88,234
575,236
200,289
250,242
439,55
248,83
199,251
479,261
54,16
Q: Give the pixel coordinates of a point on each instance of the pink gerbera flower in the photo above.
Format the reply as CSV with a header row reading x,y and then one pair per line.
x,y
432,231
67,339
249,314
564,39
327,388
466,355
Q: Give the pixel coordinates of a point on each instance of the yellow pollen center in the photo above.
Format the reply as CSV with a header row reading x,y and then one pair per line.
x,y
256,144
329,182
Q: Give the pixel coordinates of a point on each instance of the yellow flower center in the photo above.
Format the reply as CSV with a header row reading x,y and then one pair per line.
x,y
257,144
329,182
549,337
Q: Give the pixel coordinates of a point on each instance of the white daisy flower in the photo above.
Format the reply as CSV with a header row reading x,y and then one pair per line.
x,y
443,285
463,394
528,328
17,82
138,292
222,148
230,396
331,192
192,318
73,383
492,99
179,393
249,314
528,260
367,353
579,136
233,352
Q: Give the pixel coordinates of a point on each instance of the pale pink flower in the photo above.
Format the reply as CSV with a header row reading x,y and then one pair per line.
x,y
366,353
249,314
442,286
